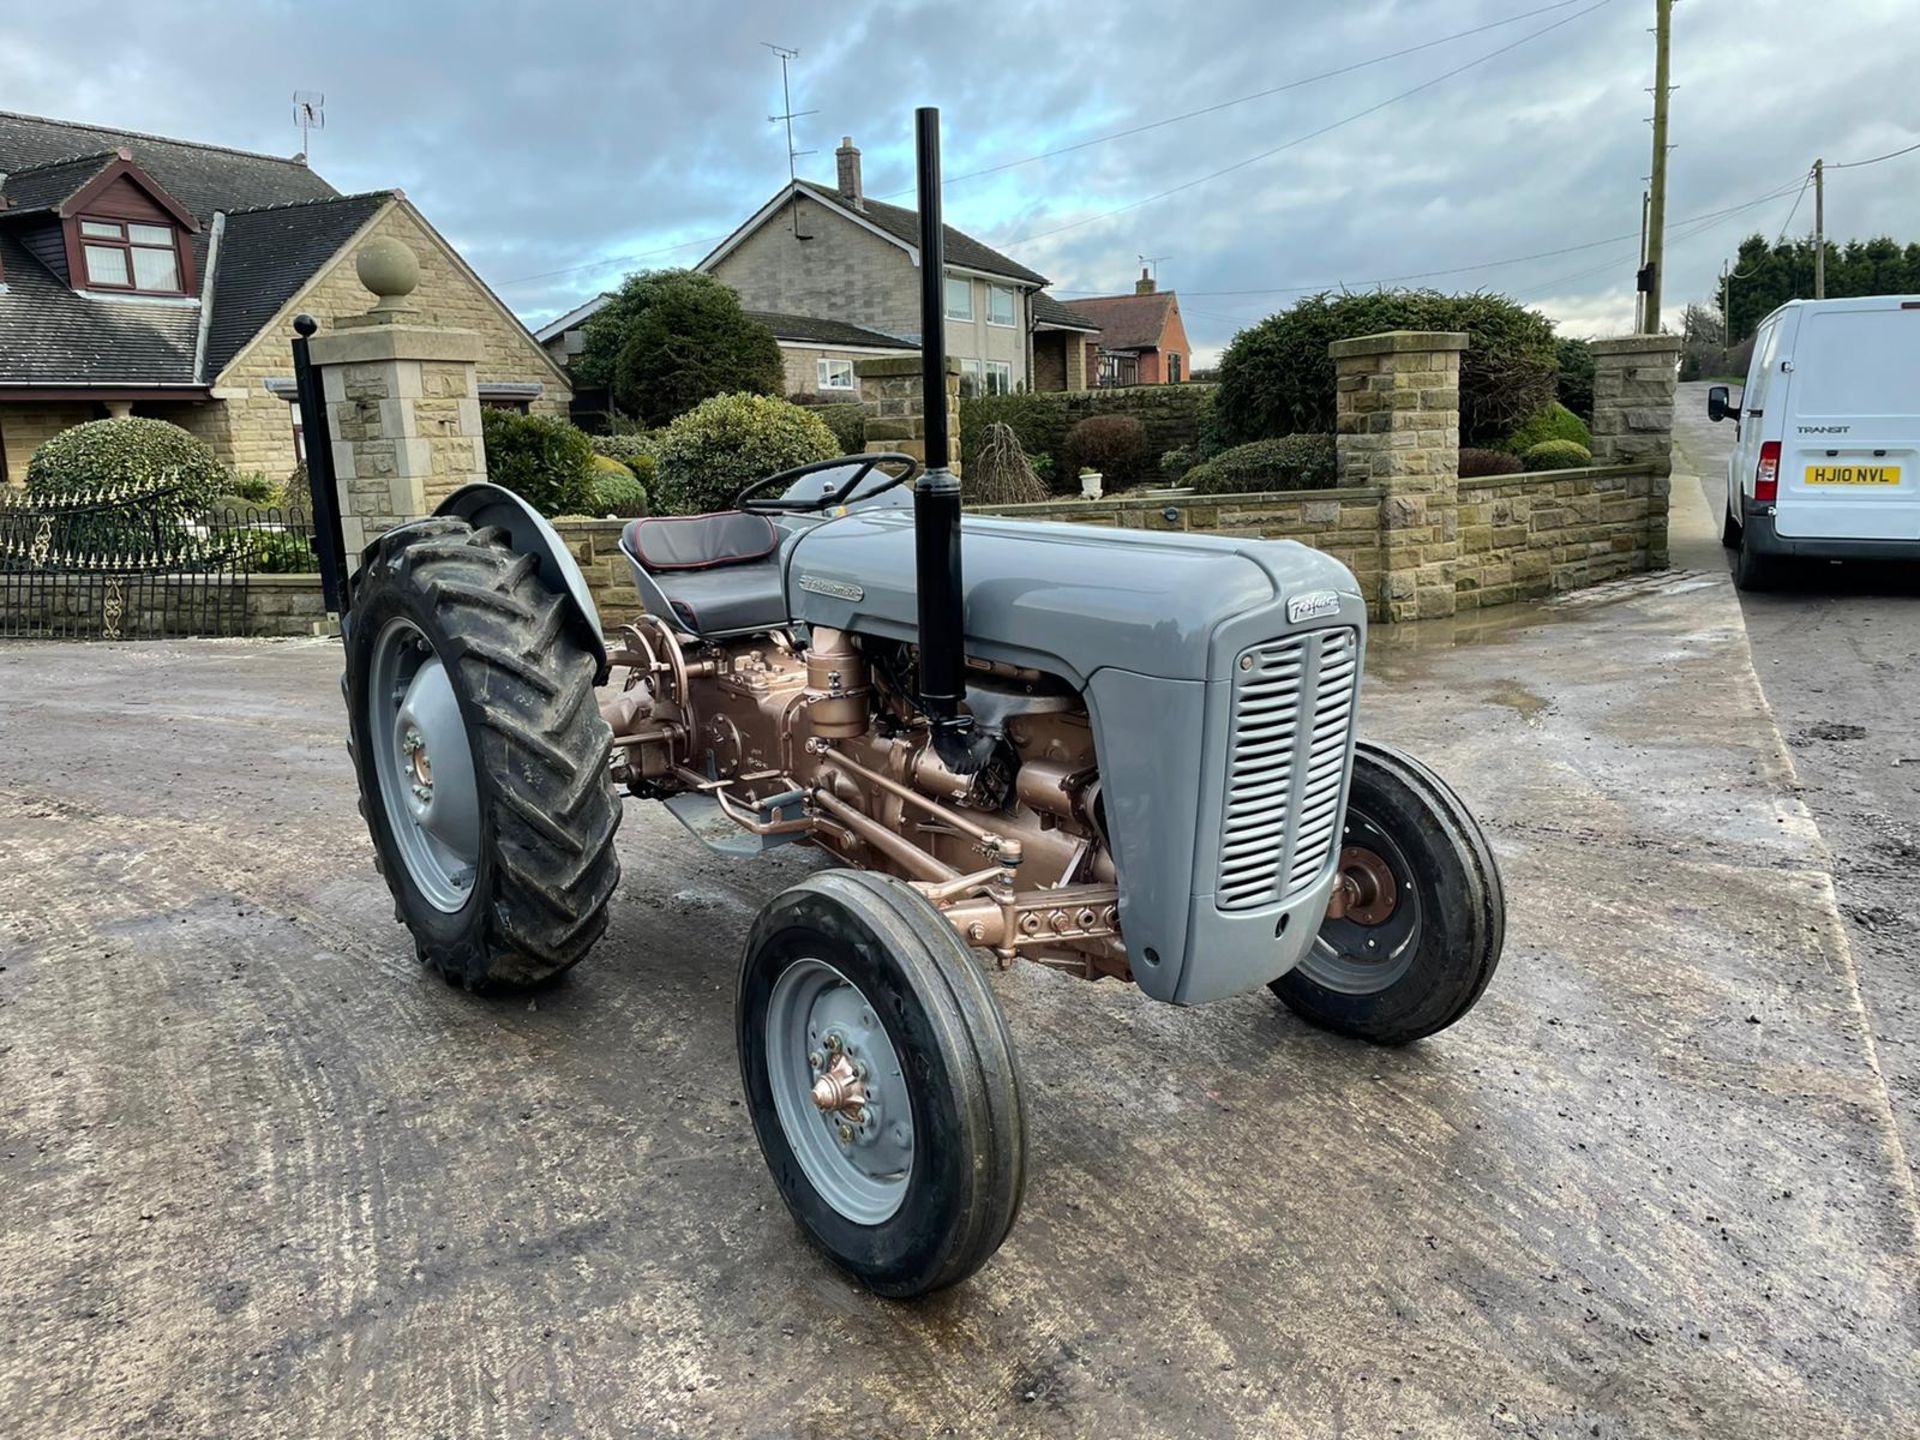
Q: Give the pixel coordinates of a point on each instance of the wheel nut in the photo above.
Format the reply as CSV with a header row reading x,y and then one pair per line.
x,y
846,1134
816,1060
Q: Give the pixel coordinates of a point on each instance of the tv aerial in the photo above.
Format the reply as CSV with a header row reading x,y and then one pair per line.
x,y
310,114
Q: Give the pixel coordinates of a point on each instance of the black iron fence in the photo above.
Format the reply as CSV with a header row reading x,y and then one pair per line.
x,y
139,567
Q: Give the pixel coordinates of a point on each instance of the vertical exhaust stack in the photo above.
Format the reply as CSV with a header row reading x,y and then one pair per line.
x,y
936,494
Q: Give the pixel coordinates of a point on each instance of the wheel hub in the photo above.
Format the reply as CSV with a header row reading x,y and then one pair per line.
x,y
1367,886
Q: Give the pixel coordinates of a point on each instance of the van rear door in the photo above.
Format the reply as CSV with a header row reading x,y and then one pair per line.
x,y
1850,441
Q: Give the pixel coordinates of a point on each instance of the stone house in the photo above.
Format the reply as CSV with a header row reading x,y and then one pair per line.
x,y
144,275
1142,339
818,255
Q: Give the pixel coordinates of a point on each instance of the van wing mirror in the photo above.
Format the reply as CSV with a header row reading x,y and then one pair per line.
x,y
1717,407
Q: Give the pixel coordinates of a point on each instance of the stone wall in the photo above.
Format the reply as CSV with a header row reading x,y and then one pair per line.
x,y
1170,413
1633,384
596,545
148,606
894,395
1523,536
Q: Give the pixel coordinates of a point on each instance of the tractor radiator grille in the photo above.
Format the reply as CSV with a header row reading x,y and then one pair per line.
x,y
1292,723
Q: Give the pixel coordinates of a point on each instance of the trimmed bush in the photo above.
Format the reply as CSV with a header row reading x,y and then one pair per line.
x,y
1575,381
130,457
1000,473
1177,462
724,444
1488,462
626,449
1557,455
1115,445
1277,378
846,418
1555,422
546,462
617,490
1292,462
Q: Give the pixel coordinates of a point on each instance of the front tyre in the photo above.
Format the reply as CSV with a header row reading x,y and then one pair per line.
x,y
1425,916
482,756
881,1082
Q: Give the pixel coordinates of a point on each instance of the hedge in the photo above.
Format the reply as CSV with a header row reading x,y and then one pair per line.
x,y
132,456
1557,455
1553,422
1291,462
1474,463
722,445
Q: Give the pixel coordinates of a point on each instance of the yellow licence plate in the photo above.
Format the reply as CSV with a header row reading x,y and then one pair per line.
x,y
1853,474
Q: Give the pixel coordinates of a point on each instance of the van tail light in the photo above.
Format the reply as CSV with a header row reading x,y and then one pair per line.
x,y
1766,478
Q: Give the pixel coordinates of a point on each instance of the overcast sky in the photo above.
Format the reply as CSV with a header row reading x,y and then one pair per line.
x,y
560,145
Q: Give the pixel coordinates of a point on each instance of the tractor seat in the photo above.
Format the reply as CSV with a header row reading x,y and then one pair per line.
x,y
718,574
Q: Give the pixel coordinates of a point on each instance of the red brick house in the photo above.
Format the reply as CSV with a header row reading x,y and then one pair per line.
x,y
1142,340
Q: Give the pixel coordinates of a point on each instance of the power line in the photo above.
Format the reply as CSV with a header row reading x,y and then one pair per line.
x,y
616,260
1795,210
1856,164
1312,134
1243,99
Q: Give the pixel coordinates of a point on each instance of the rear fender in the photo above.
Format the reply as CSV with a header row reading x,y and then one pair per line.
x,y
482,505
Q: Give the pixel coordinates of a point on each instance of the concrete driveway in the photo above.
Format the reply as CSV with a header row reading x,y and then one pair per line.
x,y
264,1177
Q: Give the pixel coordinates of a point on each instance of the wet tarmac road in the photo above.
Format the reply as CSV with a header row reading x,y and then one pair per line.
x,y
1837,649
262,1176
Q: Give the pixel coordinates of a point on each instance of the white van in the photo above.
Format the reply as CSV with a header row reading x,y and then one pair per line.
x,y
1828,460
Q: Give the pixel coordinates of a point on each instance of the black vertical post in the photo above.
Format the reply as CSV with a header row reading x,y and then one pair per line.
x,y
329,540
936,495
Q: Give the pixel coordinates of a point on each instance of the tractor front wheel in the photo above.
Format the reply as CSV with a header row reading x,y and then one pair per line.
x,y
1425,915
880,1079
482,756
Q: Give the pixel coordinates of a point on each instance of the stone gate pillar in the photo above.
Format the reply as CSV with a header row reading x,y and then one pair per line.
x,y
1397,425
1633,384
896,413
403,403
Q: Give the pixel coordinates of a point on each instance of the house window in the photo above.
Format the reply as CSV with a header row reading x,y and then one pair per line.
x,y
126,255
959,298
836,374
999,378
973,379
1000,307
1173,367
299,435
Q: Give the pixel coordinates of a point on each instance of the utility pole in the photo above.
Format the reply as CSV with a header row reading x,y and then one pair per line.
x,y
1657,204
1819,229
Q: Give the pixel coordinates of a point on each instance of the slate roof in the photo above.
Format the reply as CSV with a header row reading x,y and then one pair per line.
x,y
904,225
808,330
50,335
283,223
266,255
1049,311
1129,322
47,187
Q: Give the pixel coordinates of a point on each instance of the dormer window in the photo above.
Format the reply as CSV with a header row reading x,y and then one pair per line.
x,y
129,255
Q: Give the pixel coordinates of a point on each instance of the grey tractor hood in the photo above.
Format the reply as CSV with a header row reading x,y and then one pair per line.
x,y
1068,599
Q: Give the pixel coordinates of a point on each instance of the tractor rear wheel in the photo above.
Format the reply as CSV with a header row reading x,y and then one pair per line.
x,y
881,1082
1426,915
482,756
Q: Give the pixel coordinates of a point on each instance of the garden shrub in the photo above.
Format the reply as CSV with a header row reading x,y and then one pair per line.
x,y
1575,382
546,462
1043,469
1115,445
642,444
256,489
277,552
1277,378
296,493
1177,462
1554,422
1474,462
1291,462
129,457
1000,473
1557,455
846,418
720,446
617,490
669,339
1032,417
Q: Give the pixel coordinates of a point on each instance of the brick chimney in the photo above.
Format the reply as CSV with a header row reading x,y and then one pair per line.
x,y
1144,285
848,160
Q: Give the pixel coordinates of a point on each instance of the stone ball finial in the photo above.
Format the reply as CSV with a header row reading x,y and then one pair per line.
x,y
389,269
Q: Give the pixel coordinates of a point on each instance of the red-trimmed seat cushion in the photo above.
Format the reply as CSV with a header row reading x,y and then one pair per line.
x,y
701,542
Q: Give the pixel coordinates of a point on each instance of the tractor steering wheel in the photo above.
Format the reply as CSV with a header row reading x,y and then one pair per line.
x,y
865,465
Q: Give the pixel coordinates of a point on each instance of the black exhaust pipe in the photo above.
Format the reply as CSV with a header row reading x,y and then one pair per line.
x,y
936,494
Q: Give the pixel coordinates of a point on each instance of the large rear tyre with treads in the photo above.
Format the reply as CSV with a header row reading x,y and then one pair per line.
x,y
881,1082
1426,918
482,756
